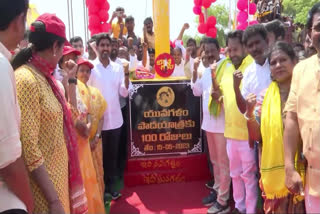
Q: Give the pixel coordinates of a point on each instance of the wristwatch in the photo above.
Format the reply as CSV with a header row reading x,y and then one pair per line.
x,y
72,81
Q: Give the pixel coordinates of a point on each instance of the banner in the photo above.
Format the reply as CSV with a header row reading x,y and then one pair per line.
x,y
165,119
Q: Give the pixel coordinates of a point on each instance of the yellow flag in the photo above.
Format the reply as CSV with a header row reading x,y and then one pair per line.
x,y
32,14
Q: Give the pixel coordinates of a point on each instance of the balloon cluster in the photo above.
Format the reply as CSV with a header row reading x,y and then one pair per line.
x,y
245,9
98,16
208,27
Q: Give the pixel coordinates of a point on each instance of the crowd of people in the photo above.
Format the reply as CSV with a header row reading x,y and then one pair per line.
x,y
63,142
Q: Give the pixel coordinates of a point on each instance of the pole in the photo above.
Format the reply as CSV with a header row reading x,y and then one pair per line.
x,y
85,20
71,7
69,23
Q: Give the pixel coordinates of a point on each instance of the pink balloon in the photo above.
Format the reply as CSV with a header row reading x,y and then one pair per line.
x,y
212,32
242,5
93,8
105,27
95,31
206,3
197,2
203,28
252,8
242,26
201,18
255,22
94,21
211,21
103,15
197,10
242,17
105,6
99,2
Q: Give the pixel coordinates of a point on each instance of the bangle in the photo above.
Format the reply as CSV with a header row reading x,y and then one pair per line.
x,y
72,81
249,119
98,135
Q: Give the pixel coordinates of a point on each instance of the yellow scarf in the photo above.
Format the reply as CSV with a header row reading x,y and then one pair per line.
x,y
272,159
213,105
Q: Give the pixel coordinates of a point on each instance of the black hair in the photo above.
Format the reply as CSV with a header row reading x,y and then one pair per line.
x,y
315,9
151,51
10,9
102,36
254,30
119,9
149,19
285,47
298,45
40,39
76,39
179,49
209,40
236,34
277,28
191,40
129,19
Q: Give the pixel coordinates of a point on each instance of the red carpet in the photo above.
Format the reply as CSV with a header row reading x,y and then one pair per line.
x,y
171,198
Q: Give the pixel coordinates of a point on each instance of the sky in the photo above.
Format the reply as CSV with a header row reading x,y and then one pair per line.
x,y
181,11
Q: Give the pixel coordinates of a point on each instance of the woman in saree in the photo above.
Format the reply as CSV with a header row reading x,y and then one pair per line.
x,y
265,123
98,107
88,172
47,130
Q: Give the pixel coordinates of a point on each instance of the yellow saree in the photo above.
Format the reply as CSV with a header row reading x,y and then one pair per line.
x,y
98,107
95,202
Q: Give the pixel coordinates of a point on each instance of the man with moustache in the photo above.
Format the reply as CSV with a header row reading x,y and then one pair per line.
x,y
213,125
241,157
257,77
303,121
112,80
114,57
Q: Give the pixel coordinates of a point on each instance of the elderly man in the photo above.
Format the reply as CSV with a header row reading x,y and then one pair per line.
x,y
303,120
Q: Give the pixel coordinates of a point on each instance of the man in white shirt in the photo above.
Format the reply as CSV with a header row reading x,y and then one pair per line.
x,y
256,78
112,81
214,128
15,192
119,55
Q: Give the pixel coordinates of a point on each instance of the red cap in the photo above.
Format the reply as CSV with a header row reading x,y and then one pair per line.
x,y
68,50
53,25
82,61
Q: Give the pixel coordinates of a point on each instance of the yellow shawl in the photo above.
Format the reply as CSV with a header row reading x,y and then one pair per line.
x,y
272,159
213,105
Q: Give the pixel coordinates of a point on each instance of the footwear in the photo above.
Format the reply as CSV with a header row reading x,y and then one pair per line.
x,y
107,198
210,184
218,208
236,211
116,195
210,199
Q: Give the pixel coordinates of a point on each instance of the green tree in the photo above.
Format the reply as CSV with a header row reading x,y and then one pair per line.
x,y
298,9
222,15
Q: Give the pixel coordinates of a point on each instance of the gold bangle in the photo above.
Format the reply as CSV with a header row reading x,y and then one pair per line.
x,y
249,119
